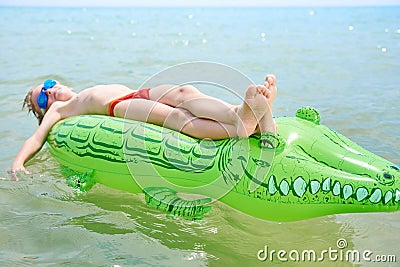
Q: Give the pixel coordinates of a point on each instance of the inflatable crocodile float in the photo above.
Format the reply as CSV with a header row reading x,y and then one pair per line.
x,y
307,171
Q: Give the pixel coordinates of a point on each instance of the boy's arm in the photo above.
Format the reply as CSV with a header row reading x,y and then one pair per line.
x,y
34,143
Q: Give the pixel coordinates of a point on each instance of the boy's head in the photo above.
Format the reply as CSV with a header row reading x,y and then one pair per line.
x,y
29,104
40,98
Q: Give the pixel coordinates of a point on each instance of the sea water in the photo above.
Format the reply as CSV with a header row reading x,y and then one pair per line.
x,y
343,61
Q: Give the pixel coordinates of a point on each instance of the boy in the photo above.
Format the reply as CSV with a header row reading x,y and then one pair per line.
x,y
181,108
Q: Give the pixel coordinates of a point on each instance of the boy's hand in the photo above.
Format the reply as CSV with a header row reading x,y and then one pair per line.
x,y
13,173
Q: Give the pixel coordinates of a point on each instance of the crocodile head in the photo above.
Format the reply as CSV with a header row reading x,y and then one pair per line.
x,y
321,166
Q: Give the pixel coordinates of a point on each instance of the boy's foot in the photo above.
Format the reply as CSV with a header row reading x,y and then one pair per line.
x,y
251,111
270,84
267,123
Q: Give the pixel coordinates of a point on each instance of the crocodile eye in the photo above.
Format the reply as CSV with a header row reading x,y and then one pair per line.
x,y
387,175
394,168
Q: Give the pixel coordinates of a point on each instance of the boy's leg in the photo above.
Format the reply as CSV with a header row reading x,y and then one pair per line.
x,y
190,98
245,117
173,118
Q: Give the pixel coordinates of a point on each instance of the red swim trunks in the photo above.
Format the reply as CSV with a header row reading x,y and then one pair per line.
x,y
142,93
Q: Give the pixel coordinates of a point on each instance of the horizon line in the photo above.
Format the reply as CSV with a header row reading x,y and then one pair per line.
x,y
204,6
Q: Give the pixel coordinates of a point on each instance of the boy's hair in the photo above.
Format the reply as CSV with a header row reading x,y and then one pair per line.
x,y
31,108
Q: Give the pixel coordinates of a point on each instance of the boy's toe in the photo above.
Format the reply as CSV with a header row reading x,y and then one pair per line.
x,y
271,79
251,92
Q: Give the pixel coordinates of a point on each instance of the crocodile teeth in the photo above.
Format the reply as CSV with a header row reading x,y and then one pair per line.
x,y
272,185
299,186
336,189
326,185
314,186
361,193
347,191
388,197
397,196
284,187
376,196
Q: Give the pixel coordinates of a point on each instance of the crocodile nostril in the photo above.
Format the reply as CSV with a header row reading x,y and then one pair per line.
x,y
387,175
394,168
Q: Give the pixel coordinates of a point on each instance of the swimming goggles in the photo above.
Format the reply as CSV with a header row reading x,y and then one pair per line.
x,y
42,97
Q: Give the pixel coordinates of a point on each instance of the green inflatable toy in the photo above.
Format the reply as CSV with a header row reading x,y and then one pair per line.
x,y
306,171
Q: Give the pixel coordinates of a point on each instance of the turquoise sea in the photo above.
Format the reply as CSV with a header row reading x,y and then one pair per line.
x,y
343,61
